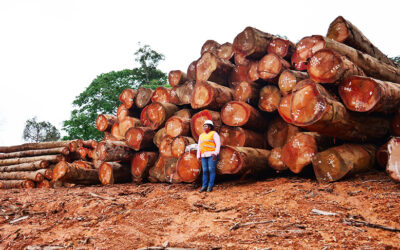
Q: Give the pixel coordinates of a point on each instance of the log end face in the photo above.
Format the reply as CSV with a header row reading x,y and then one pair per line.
x,y
205,66
305,49
244,42
229,161
174,126
284,108
275,160
287,81
269,66
393,165
106,174
188,167
101,123
235,114
134,138
178,147
60,170
325,66
139,164
202,95
338,30
156,114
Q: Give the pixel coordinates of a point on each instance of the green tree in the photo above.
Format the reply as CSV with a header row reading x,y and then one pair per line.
x,y
35,131
101,97
396,59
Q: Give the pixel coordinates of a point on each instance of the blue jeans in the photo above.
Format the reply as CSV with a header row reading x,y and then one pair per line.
x,y
208,165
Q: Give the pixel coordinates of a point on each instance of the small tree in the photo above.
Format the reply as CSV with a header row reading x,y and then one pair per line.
x,y
40,131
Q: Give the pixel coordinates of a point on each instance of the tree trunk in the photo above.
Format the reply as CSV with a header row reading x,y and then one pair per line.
x,y
393,166
177,126
8,184
105,122
44,184
212,68
275,160
191,71
166,147
170,171
281,47
270,97
143,97
161,94
241,160
209,95
36,176
270,66
179,144
284,108
364,94
68,172
139,138
280,132
188,167
241,114
30,166
182,94
305,49
156,172
159,136
225,51
327,66
141,163
127,97
38,152
13,161
114,172
156,114
176,77
34,146
210,46
113,151
345,32
337,162
313,108
288,80
247,92
239,137
115,133
252,43
127,123
198,119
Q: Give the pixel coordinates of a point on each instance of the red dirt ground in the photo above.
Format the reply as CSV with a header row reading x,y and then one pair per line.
x,y
176,215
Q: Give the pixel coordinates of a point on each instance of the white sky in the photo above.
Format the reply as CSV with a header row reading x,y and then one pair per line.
x,y
51,50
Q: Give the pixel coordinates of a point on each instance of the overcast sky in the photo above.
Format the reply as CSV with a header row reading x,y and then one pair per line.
x,y
51,50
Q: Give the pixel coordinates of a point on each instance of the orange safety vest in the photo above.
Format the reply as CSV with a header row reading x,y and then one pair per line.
x,y
207,142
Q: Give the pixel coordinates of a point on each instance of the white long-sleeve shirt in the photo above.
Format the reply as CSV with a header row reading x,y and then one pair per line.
x,y
217,142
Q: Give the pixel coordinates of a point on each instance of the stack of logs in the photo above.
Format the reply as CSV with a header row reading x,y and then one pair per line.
x,y
31,165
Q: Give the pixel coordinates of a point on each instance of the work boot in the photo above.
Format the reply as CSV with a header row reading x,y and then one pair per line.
x,y
203,189
209,189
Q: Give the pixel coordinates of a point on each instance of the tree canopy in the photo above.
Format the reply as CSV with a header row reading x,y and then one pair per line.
x,y
40,131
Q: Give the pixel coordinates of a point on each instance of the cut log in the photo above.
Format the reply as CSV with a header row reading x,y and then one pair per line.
x,y
363,94
156,172
240,73
89,144
191,71
114,172
156,114
48,173
34,146
165,148
210,46
30,166
335,163
327,66
44,184
83,164
179,144
13,161
225,51
123,112
127,123
68,172
159,136
246,91
212,68
241,160
209,95
240,137
252,73
176,77
73,146
270,98
288,80
395,128
143,97
161,94
141,164
115,132
38,152
83,152
313,108
280,132
113,151
275,160
127,97
188,167
36,176
241,114
393,166
177,126
198,119
184,113
182,94
341,30
284,108
252,43
270,66
305,49
170,171
139,138
241,60
281,47
8,184
382,156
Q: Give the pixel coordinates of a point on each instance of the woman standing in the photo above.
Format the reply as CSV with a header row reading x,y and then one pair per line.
x,y
208,149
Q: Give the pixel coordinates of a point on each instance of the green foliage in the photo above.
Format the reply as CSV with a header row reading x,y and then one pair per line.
x,y
396,59
101,97
40,131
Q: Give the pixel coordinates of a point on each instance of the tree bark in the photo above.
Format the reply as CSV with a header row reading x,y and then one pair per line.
x,y
13,161
288,80
225,51
156,114
161,94
36,176
141,163
139,138
127,123
246,91
127,97
198,119
179,144
270,66
241,114
212,68
114,172
327,66
105,122
345,32
275,160
159,136
335,163
284,108
188,167
270,97
191,71
209,95
210,46
177,126
34,146
68,172
38,152
393,166
143,97
240,137
176,77
30,166
182,94
113,151
313,108
280,132
165,148
252,43
170,171
8,184
240,160
281,47
364,94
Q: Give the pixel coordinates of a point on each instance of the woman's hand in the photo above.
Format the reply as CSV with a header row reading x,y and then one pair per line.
x,y
214,157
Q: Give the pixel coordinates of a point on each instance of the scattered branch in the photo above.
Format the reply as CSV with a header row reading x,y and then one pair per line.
x,y
238,225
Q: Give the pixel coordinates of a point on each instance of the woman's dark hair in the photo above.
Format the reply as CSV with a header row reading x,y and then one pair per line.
x,y
211,126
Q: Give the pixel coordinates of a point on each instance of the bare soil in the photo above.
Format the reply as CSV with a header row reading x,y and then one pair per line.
x,y
272,213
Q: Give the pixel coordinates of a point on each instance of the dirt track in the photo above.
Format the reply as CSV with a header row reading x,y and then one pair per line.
x,y
131,216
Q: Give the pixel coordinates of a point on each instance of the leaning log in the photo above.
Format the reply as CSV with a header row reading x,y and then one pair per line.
x,y
179,144
13,161
188,167
209,95
212,68
29,166
275,160
246,91
38,152
281,47
280,132
198,119
34,146
240,137
176,77
241,114
8,184
393,165
68,172
127,97
161,94
141,163
114,172
288,80
270,97
143,97
252,43
270,66
36,176
139,138
335,163
113,151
